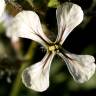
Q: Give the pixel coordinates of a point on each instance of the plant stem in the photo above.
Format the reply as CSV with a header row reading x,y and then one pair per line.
x,y
17,83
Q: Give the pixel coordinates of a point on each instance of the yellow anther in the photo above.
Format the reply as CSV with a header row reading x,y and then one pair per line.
x,y
53,48
56,46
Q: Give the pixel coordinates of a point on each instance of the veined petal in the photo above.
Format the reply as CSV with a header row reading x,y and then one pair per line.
x,y
81,67
26,24
2,6
36,77
69,15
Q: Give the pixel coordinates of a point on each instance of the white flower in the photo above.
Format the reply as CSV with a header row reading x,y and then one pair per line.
x,y
26,24
2,7
5,18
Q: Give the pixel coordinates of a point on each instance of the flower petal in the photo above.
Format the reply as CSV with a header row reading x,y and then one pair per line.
x,y
69,15
26,24
36,77
2,7
81,67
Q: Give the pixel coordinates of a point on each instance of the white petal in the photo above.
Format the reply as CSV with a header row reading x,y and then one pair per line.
x,y
81,67
69,15
26,24
2,7
36,77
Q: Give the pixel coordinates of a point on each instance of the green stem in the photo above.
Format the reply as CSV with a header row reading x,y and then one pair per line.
x,y
17,83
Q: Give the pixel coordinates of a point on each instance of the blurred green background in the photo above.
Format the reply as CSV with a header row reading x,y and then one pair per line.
x,y
82,40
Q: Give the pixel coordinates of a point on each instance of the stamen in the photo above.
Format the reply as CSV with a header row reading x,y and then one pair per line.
x,y
53,48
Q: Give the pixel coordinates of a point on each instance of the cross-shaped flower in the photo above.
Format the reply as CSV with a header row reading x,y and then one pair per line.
x,y
26,24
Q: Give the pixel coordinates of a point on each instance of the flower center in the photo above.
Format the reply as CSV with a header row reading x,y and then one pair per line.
x,y
53,48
